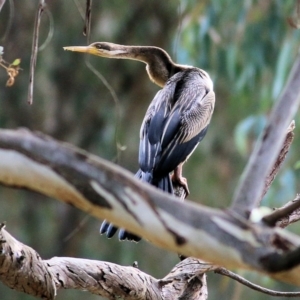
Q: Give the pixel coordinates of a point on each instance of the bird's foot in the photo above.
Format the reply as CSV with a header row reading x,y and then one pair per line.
x,y
182,182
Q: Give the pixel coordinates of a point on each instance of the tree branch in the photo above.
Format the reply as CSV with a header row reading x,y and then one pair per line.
x,y
240,279
2,3
22,269
34,50
250,189
285,215
280,159
104,190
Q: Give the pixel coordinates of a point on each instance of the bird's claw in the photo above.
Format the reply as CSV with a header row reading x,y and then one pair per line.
x,y
181,181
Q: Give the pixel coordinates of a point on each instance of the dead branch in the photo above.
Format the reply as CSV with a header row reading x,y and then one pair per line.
x,y
1,4
285,215
34,50
104,190
240,279
22,269
87,21
250,189
280,158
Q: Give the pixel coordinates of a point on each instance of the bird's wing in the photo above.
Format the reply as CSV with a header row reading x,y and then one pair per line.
x,y
185,128
175,122
151,130
197,118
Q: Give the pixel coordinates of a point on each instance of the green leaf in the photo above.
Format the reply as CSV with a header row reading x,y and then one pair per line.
x,y
16,62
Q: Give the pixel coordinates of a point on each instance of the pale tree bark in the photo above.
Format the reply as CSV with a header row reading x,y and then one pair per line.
x,y
251,188
21,268
106,191
39,163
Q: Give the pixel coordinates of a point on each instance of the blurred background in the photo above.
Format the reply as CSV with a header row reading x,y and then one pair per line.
x,y
247,47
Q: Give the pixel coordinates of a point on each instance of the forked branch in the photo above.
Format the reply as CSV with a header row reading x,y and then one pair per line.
x,y
39,163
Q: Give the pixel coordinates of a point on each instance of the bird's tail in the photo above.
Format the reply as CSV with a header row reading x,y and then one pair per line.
x,y
163,183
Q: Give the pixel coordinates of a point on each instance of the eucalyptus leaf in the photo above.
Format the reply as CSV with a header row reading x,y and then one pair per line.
x,y
16,62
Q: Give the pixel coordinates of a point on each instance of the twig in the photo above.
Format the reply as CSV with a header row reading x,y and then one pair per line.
x,y
77,228
292,218
250,189
2,3
87,21
119,146
240,279
79,8
179,29
285,215
10,20
50,32
34,49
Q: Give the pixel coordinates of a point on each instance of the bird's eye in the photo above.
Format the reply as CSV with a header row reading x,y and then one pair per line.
x,y
102,46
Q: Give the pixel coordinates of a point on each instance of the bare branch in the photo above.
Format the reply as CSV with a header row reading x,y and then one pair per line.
x,y
11,17
250,189
21,268
34,51
280,159
1,4
104,190
88,19
240,279
285,215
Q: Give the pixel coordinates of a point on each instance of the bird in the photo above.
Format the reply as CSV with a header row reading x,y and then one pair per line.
x,y
175,122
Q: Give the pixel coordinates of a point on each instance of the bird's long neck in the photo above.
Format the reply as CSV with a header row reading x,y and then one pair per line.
x,y
160,66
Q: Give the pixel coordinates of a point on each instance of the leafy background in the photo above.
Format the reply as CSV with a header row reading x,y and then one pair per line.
x,y
247,47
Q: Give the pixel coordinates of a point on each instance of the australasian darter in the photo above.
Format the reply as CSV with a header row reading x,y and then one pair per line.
x,y
175,122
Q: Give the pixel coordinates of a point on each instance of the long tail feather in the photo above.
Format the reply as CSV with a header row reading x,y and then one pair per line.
x,y
164,184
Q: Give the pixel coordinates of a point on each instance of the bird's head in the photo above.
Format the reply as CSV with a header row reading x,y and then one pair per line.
x,y
102,49
160,66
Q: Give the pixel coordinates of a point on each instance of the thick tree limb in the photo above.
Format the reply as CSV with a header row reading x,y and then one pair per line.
x,y
36,162
250,189
22,269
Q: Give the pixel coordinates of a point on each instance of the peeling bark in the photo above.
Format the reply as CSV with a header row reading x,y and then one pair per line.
x,y
22,269
107,191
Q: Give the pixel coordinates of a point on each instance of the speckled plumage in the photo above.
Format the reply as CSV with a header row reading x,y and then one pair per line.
x,y
175,122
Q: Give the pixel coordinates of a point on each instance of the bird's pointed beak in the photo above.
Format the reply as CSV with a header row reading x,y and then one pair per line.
x,y
84,49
